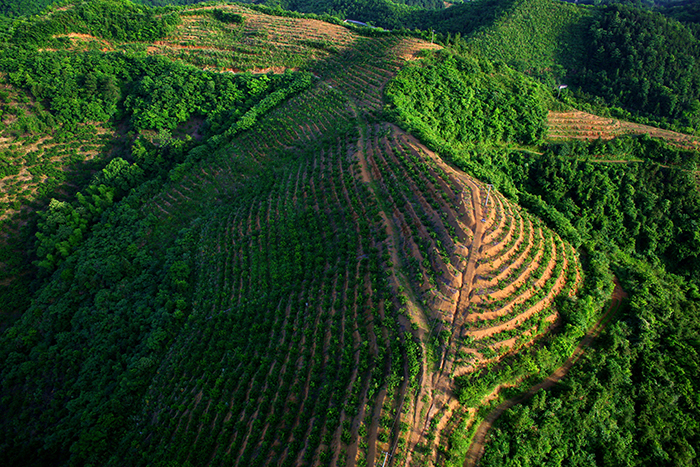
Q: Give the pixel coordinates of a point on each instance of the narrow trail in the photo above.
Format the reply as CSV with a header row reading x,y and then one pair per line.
x,y
469,275
476,450
440,389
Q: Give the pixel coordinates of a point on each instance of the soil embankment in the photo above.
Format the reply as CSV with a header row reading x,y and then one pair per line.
x,y
476,450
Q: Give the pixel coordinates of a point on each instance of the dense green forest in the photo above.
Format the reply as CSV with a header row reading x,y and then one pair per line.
x,y
108,19
467,101
207,266
20,8
643,62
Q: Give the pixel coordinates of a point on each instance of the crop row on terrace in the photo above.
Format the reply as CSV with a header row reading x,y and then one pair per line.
x,y
421,205
322,111
315,363
260,41
311,333
485,272
522,268
582,125
335,381
363,71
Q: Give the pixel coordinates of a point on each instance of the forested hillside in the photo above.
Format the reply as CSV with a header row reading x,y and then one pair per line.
x,y
619,406
24,7
643,62
31,7
243,235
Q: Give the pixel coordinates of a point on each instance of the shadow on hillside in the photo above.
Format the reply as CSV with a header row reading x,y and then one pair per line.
x,y
465,18
571,54
20,277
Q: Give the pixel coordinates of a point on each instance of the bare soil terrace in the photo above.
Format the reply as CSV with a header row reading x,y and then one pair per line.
x,y
476,449
581,125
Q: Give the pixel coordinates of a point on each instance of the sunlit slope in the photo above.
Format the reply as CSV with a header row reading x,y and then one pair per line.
x,y
577,125
256,41
534,35
314,285
480,275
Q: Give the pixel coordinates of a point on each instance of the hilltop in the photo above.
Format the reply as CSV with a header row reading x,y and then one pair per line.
x,y
242,235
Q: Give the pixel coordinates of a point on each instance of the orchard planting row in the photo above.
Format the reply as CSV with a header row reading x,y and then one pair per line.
x,y
261,41
313,364
582,125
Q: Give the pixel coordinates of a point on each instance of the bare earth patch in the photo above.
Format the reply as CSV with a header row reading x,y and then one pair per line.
x,y
581,125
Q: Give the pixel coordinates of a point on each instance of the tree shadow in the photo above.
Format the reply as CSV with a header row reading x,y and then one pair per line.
x,y
19,276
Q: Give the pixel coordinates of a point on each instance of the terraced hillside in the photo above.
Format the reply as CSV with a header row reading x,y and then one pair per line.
x,y
478,270
258,41
582,125
329,276
483,272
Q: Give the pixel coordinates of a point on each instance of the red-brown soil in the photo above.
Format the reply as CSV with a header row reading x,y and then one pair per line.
x,y
581,125
477,447
489,243
82,42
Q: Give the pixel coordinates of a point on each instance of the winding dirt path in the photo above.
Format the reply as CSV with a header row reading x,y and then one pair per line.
x,y
469,274
476,450
438,387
